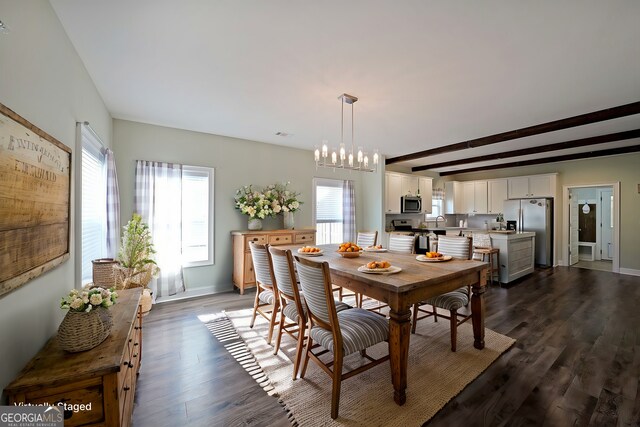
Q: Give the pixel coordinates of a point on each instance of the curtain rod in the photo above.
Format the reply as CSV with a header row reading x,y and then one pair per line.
x,y
95,134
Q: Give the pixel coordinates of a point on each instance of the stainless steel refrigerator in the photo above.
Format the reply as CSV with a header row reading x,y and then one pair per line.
x,y
534,215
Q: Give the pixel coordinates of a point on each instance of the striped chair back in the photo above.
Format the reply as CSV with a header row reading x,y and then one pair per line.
x,y
481,240
401,244
283,272
261,263
457,247
367,238
315,282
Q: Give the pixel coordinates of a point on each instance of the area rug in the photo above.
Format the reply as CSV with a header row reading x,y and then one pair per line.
x,y
436,375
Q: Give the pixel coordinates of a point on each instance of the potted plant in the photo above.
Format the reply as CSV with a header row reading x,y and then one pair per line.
x,y
135,256
88,321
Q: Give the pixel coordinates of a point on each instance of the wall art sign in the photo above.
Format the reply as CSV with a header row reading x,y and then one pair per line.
x,y
35,194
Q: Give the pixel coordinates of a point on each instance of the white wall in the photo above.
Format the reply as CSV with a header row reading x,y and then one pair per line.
x,y
43,80
237,162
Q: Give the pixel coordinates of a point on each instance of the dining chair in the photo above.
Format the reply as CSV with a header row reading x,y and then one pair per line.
x,y
291,302
401,243
484,251
364,239
266,302
367,238
339,333
458,247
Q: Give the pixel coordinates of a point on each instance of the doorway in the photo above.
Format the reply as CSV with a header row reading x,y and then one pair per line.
x,y
591,224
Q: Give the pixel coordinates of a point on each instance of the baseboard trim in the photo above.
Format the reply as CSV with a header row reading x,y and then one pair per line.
x,y
630,271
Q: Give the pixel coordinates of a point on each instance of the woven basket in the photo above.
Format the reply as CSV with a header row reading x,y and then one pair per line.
x,y
126,278
103,272
80,331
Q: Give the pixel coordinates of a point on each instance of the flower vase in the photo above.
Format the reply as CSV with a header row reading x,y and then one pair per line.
x,y
80,331
255,224
288,220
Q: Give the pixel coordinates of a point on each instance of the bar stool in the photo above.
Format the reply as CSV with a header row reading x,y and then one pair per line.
x,y
486,255
482,251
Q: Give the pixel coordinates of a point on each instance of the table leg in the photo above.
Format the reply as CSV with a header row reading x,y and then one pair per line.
x,y
399,332
477,310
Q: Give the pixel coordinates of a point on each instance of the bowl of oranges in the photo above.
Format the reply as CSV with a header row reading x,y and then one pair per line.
x,y
349,250
310,251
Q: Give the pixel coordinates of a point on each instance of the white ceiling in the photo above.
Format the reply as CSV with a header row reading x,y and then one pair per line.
x,y
428,73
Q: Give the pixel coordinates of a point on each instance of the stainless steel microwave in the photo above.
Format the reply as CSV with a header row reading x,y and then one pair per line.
x,y
411,204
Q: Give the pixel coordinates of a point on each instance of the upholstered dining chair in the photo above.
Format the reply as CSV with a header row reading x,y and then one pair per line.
x,y
292,306
367,238
458,247
364,239
401,243
266,302
339,333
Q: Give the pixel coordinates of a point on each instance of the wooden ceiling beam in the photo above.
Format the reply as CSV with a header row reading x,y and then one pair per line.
x,y
554,159
583,142
569,122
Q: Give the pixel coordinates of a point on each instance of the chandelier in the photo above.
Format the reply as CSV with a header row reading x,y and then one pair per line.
x,y
340,158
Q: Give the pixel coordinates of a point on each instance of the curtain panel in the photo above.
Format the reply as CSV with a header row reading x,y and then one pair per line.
x,y
113,206
158,199
348,211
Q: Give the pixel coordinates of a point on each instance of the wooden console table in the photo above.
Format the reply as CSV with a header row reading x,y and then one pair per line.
x,y
243,275
104,376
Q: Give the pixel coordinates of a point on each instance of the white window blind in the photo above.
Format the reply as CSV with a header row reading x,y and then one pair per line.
x,y
328,211
94,195
197,216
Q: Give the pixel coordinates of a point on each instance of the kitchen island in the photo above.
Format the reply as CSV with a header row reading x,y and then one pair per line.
x,y
517,254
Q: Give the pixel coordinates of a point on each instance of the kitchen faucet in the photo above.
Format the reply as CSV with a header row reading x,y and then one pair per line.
x,y
438,217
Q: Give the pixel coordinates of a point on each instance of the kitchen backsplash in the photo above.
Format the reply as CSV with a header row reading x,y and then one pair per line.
x,y
473,221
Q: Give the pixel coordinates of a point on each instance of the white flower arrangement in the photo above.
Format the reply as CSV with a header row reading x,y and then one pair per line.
x,y
88,299
287,199
257,204
273,200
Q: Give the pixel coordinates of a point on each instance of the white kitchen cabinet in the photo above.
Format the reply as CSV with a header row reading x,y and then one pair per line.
x,y
393,192
474,197
409,185
532,186
453,197
517,254
426,189
497,194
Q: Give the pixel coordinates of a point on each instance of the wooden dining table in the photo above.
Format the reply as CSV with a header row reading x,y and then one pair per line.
x,y
417,281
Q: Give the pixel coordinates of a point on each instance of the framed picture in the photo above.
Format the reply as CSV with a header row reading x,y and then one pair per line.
x,y
35,194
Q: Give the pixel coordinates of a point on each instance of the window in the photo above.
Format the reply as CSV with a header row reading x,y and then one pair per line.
x,y
197,216
328,210
437,204
437,209
94,199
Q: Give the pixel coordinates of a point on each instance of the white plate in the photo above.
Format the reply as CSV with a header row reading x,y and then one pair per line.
x,y
390,270
310,253
423,258
375,250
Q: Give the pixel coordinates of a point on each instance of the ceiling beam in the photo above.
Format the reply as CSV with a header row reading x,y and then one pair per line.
x,y
554,159
569,122
583,142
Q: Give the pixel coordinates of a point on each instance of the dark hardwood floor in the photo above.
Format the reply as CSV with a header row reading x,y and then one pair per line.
x,y
576,360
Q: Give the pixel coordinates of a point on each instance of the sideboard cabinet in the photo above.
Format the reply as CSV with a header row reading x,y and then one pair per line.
x,y
243,274
102,379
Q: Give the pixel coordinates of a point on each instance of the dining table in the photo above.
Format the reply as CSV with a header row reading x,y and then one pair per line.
x,y
414,282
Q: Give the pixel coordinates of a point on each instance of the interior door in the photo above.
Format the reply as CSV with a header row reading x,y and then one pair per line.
x,y
606,225
573,229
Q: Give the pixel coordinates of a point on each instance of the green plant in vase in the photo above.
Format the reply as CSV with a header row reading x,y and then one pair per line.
x,y
137,265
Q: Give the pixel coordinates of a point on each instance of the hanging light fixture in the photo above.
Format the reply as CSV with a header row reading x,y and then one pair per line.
x,y
342,158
